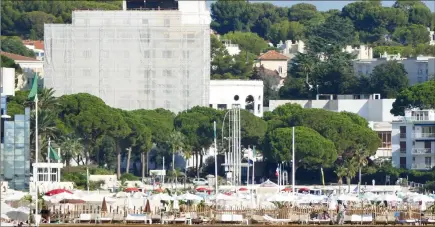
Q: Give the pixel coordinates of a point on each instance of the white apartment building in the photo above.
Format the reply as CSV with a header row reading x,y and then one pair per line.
x,y
371,107
419,69
246,93
153,55
432,38
290,48
413,139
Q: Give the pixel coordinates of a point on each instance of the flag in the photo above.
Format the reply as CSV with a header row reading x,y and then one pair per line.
x,y
355,189
52,155
277,171
252,156
34,90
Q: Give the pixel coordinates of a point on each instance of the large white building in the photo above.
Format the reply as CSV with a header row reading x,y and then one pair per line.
x,y
246,93
413,137
144,58
30,66
371,107
419,68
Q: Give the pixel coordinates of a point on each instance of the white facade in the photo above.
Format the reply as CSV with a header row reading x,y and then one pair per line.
x,y
419,69
375,111
290,48
133,59
249,94
432,38
39,51
362,52
413,140
7,81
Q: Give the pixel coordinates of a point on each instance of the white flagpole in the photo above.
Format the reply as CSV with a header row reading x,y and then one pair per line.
x,y
293,161
215,160
87,178
58,161
48,159
36,153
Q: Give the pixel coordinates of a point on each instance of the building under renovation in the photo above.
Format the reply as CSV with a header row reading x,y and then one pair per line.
x,y
152,54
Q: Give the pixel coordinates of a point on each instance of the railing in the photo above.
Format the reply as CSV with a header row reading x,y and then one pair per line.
x,y
403,135
421,151
424,135
412,119
422,166
402,150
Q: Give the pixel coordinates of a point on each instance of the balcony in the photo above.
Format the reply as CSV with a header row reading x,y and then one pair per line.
x,y
402,150
421,151
402,135
424,135
422,166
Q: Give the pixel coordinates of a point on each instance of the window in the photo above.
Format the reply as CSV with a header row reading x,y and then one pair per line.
x,y
402,147
402,162
385,138
280,69
186,54
167,54
167,23
145,21
428,162
167,104
402,131
87,54
86,73
222,106
167,73
146,54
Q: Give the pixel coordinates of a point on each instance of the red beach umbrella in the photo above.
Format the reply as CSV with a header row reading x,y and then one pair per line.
x,y
57,191
243,189
131,190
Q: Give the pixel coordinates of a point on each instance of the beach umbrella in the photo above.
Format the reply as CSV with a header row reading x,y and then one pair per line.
x,y
104,205
281,198
162,196
190,197
131,190
158,190
388,198
72,201
4,216
147,207
243,189
420,198
286,190
57,191
19,214
347,197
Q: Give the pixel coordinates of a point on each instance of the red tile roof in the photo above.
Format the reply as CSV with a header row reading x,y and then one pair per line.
x,y
17,57
38,44
272,55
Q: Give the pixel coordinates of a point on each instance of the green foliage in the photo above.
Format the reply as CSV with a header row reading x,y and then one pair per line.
x,y
388,79
420,95
247,41
9,63
128,177
27,18
14,45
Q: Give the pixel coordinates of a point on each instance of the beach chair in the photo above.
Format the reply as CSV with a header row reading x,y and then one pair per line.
x,y
276,221
358,218
137,218
85,218
118,218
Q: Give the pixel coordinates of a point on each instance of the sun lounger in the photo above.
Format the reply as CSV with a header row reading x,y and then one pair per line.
x,y
84,218
274,220
319,221
138,218
428,221
232,218
365,218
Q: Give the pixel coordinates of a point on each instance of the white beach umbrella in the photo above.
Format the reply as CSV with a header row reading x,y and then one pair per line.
x,y
121,195
281,198
161,196
420,198
388,198
189,196
347,197
19,214
223,197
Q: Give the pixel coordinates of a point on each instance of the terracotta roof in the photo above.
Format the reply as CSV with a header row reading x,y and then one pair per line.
x,y
17,57
272,55
38,44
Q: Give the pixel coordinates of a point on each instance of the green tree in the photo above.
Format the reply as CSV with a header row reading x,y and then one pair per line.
x,y
34,22
247,41
176,143
14,45
286,30
388,79
303,13
411,35
71,149
311,149
420,95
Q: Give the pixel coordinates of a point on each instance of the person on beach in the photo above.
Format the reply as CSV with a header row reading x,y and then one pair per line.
x,y
340,216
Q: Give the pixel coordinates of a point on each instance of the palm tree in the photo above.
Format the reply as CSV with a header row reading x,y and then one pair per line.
x,y
361,160
47,128
350,166
341,172
71,147
176,140
46,99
